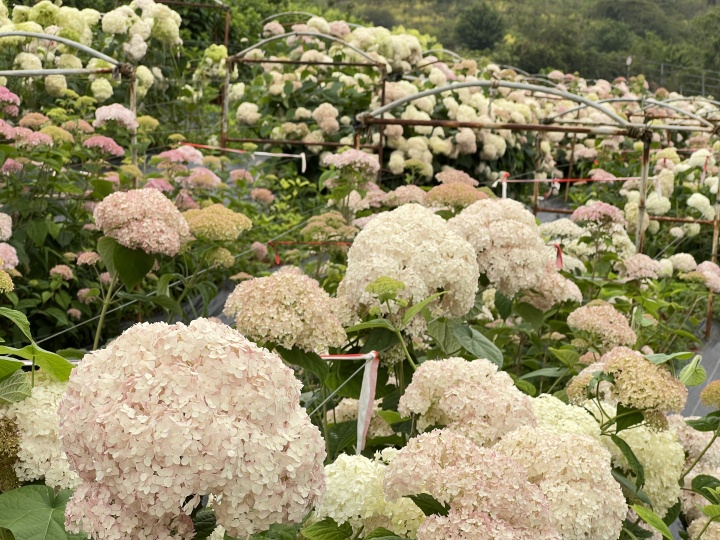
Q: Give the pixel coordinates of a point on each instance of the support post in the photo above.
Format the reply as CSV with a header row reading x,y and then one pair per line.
x,y
645,167
133,131
570,165
225,99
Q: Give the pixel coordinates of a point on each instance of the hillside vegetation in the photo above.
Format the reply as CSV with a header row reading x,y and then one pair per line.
x,y
593,37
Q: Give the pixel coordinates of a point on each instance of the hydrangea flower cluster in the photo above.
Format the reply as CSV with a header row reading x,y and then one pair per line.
x,y
640,266
328,227
288,309
506,239
216,223
607,327
489,494
106,145
9,256
574,473
201,177
115,113
405,195
412,245
638,383
142,219
599,213
454,176
361,162
40,454
455,196
472,398
355,495
5,227
168,413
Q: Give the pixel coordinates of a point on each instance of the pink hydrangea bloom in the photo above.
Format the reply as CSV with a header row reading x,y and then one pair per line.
x,y
405,195
11,166
6,130
201,177
105,278
34,120
260,250
11,110
74,313
78,125
5,227
87,258
115,113
357,160
599,212
160,184
640,266
105,145
182,154
604,323
7,97
8,256
142,219
63,271
241,175
262,195
84,296
27,138
185,202
166,413
339,28
453,176
711,274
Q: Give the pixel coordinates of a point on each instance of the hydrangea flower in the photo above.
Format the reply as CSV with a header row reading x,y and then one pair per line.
x,y
168,413
142,219
216,223
105,145
288,309
115,113
472,398
606,325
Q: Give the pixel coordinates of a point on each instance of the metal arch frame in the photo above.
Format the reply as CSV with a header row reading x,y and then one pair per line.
x,y
88,50
310,15
238,56
621,122
444,51
640,101
699,98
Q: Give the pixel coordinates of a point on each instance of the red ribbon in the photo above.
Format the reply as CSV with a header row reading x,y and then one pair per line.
x,y
559,259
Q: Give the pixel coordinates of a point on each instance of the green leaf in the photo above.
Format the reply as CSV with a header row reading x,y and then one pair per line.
x,y
204,522
705,485
478,345
382,534
630,417
391,417
103,188
37,231
660,358
379,339
14,387
6,535
629,487
712,511
693,374
417,308
568,357
72,354
503,304
709,422
375,323
19,319
55,365
526,387
635,465
327,529
132,265
530,314
309,361
442,331
166,302
35,513
551,372
341,436
8,366
429,504
652,519
106,249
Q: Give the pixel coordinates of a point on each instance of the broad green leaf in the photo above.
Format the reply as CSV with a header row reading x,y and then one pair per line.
x,y
15,387
478,345
627,417
429,504
550,372
132,265
37,231
693,374
417,308
635,465
391,417
166,302
35,513
652,519
442,331
503,304
705,423
526,387
72,354
375,323
103,188
629,486
9,366
309,361
659,358
382,534
379,339
6,535
341,436
530,314
712,511
19,319
568,357
705,485
54,364
204,522
106,249
327,529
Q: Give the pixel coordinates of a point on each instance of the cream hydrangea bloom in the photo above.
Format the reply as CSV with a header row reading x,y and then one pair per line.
x,y
168,413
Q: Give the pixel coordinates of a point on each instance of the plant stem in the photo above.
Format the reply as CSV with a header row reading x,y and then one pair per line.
x,y
106,303
405,350
700,455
